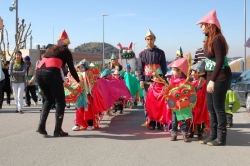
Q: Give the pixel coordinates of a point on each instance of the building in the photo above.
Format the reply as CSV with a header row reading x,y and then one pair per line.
x,y
91,58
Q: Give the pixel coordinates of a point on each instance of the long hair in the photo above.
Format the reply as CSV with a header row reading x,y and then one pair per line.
x,y
56,48
214,31
19,52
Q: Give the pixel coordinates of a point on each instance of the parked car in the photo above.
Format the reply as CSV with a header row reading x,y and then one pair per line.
x,y
235,76
241,86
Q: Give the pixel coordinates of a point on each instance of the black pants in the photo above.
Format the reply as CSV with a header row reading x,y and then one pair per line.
x,y
216,106
8,92
229,118
50,82
1,91
30,90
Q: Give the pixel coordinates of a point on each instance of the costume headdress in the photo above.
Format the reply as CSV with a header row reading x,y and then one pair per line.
x,y
179,52
210,18
105,73
113,57
63,39
149,33
126,52
85,64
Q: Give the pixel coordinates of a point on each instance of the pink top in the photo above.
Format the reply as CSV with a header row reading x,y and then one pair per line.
x,y
176,79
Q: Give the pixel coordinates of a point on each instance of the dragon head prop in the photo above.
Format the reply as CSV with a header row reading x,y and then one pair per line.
x,y
126,52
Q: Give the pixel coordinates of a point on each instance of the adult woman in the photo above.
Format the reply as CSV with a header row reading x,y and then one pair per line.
x,y
50,81
218,77
17,72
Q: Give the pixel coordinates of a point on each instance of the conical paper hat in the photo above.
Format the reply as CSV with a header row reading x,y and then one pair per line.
x,y
149,33
247,44
105,73
179,52
210,18
181,64
113,56
63,39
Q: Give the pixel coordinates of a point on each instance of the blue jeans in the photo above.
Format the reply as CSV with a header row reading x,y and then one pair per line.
x,y
184,126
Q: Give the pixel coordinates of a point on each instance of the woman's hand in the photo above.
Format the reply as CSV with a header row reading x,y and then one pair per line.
x,y
210,87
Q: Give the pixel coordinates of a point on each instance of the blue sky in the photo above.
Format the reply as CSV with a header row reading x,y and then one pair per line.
x,y
173,22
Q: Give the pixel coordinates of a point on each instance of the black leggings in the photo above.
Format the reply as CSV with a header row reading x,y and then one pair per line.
x,y
50,82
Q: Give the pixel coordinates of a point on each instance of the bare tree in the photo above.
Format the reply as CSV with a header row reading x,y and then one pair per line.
x,y
20,40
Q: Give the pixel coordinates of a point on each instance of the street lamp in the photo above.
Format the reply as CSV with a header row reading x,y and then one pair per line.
x,y
103,63
15,4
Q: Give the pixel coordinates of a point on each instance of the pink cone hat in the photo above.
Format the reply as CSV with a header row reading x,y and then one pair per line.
x,y
181,64
210,18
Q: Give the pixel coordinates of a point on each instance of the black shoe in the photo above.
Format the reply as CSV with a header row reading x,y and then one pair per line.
x,y
229,125
209,139
151,128
191,135
42,123
58,132
16,111
20,112
200,136
221,139
41,131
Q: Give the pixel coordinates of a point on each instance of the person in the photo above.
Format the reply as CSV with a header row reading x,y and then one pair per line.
x,y
17,71
179,74
114,64
30,83
218,76
39,92
2,81
6,87
199,54
200,118
232,105
149,58
50,81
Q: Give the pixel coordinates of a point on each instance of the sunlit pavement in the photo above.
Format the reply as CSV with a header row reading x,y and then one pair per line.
x,y
120,141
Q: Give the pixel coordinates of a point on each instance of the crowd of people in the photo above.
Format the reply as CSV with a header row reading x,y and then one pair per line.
x,y
191,98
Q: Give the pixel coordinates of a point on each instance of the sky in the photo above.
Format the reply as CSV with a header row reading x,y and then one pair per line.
x,y
172,21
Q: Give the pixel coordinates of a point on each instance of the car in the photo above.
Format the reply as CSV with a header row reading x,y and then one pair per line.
x,y
241,86
235,76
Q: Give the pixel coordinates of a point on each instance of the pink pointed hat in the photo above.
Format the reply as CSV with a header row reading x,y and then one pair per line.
x,y
210,18
181,64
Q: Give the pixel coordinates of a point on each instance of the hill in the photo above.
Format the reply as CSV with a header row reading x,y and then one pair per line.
x,y
97,48
236,65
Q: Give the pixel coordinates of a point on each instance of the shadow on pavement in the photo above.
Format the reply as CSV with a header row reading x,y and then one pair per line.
x,y
126,127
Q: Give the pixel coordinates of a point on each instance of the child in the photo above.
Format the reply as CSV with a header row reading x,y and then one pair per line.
x,y
179,67
119,103
232,105
200,112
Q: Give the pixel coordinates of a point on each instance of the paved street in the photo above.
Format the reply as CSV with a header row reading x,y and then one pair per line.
x,y
120,141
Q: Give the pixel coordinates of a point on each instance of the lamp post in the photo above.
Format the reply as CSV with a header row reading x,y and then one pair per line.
x,y
103,63
31,42
245,59
15,4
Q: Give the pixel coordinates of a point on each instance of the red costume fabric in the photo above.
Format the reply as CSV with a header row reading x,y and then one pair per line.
x,y
200,111
156,103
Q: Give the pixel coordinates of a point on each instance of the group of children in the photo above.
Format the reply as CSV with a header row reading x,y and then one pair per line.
x,y
197,120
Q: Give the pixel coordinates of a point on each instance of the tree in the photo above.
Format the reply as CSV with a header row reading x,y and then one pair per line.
x,y
20,39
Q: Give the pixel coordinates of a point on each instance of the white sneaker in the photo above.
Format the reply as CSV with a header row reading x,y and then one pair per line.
x,y
75,128
89,128
35,103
